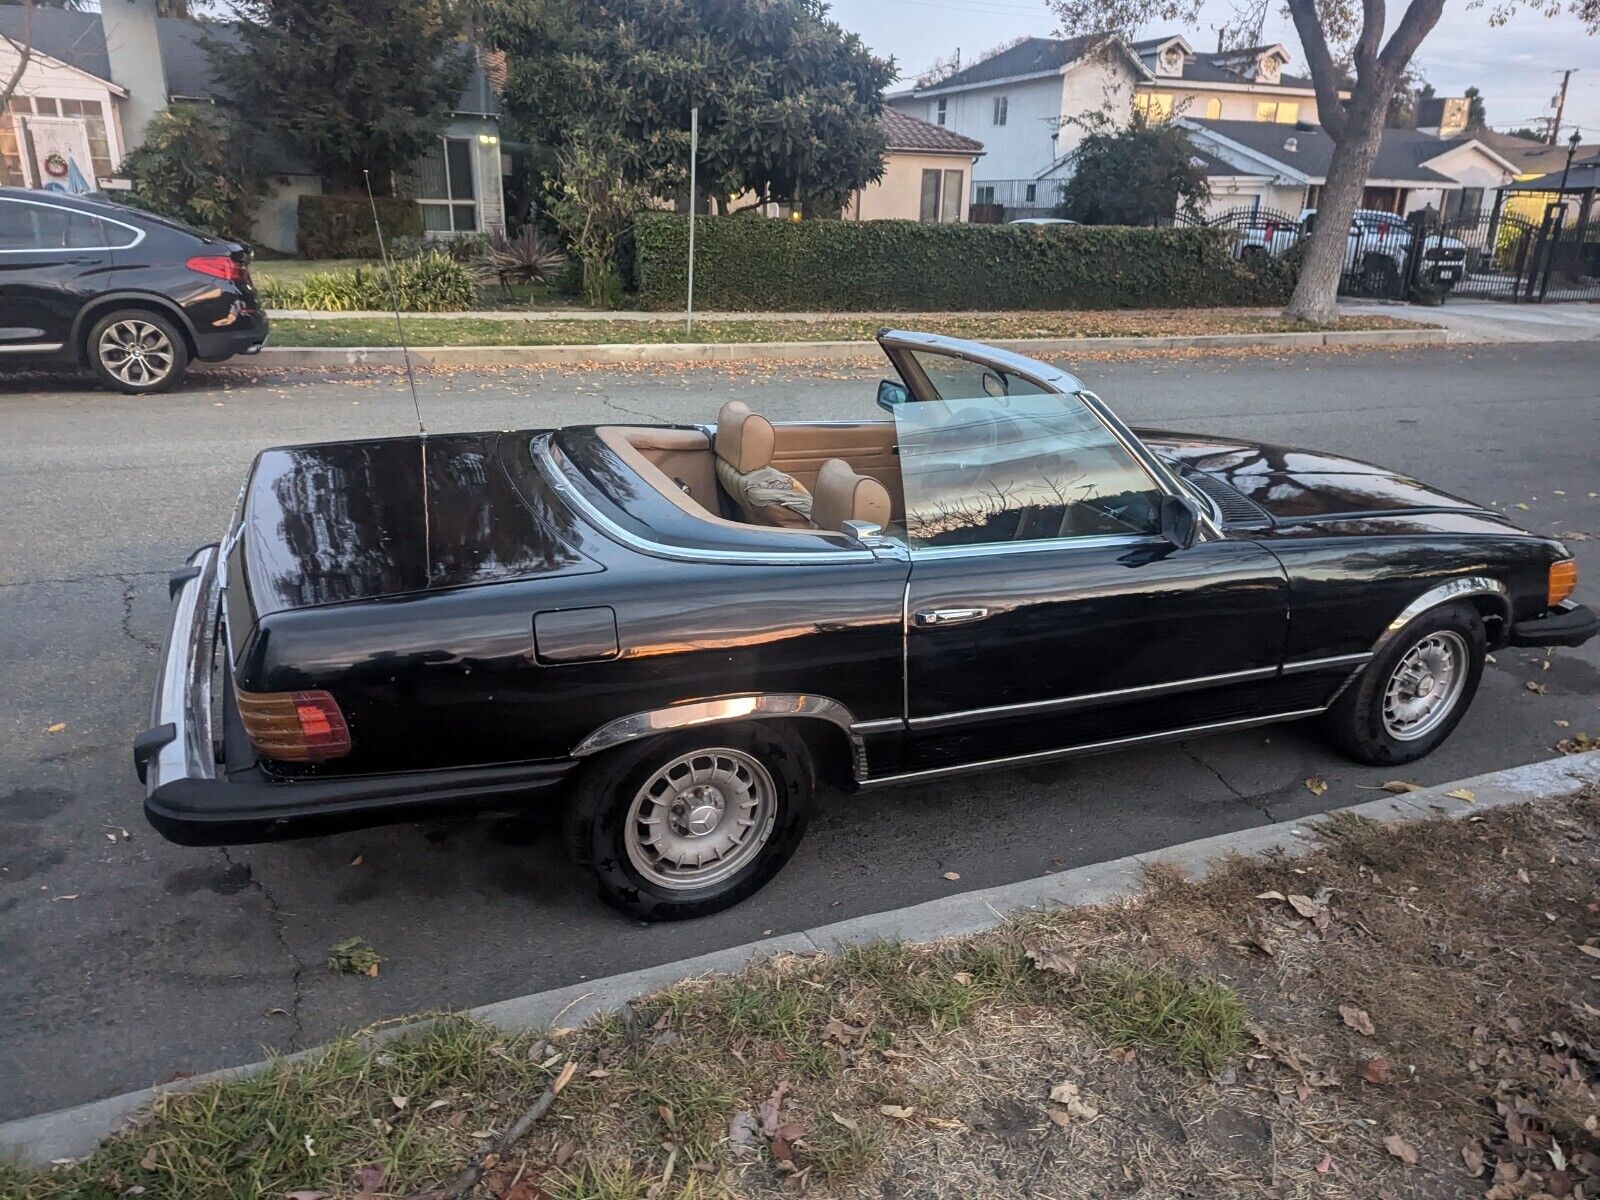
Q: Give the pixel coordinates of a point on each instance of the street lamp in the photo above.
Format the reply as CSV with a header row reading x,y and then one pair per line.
x,y
1572,148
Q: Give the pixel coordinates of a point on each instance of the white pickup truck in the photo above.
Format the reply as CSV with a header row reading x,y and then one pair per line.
x,y
1376,250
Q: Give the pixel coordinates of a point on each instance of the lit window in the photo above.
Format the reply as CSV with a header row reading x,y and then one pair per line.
x,y
939,111
1284,112
1000,110
1153,106
1213,109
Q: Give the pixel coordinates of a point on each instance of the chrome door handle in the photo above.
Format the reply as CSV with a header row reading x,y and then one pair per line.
x,y
948,616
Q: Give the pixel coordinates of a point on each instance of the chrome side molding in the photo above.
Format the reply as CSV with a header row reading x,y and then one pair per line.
x,y
750,707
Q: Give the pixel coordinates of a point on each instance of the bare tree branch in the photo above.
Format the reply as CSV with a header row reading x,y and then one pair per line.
x,y
24,53
1418,22
1373,15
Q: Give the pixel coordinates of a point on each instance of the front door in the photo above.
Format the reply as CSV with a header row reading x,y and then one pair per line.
x,y
1045,610
52,260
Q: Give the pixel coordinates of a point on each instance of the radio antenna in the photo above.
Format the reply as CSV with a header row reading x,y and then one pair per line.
x,y
394,299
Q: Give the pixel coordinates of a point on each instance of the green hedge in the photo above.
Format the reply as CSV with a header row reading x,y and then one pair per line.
x,y
746,262
341,226
431,282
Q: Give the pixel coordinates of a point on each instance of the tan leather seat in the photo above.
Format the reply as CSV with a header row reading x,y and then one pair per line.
x,y
763,494
843,495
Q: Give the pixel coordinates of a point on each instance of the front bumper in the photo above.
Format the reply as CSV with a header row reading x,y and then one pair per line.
x,y
1567,624
204,786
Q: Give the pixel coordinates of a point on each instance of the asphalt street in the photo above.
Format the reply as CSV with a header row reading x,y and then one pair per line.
x,y
125,960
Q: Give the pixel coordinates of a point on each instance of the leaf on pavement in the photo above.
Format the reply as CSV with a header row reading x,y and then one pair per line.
x,y
353,956
56,728
1357,1019
1401,1149
1316,785
1399,787
952,875
1536,687
1467,794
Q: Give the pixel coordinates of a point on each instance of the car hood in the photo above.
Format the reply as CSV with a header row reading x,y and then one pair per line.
x,y
1305,485
358,520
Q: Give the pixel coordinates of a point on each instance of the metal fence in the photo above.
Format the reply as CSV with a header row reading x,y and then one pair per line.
x,y
1493,255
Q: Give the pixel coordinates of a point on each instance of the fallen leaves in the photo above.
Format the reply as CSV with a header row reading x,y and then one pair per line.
x,y
1316,785
1591,951
897,1112
353,956
1357,1019
1472,1157
1375,1070
1395,787
56,728
1401,1149
1536,687
1050,958
1461,793
1578,743
1073,1105
952,876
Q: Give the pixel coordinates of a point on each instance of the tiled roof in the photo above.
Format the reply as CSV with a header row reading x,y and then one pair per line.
x,y
1400,155
1028,57
907,133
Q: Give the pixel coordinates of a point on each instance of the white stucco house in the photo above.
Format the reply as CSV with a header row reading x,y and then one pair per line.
x,y
95,79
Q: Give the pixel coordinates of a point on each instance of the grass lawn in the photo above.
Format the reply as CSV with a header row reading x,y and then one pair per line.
x,y
1404,1010
466,331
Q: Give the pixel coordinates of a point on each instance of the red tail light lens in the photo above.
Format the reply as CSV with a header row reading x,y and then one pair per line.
x,y
294,726
220,266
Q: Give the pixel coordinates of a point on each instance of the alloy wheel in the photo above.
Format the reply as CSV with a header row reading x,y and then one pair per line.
x,y
1425,685
700,818
137,352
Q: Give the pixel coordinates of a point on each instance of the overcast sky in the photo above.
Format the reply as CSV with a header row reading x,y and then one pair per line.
x,y
1516,66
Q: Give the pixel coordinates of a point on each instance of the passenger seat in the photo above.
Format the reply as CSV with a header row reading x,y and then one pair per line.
x,y
763,494
844,495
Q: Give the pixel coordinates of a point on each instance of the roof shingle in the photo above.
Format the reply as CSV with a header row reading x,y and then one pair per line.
x,y
1400,155
905,132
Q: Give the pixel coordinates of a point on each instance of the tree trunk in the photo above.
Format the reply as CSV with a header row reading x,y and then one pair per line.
x,y
1317,290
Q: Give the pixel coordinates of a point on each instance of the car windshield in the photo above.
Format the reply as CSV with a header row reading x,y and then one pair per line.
x,y
1018,468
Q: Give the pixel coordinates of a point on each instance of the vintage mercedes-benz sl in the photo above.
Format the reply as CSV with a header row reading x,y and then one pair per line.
x,y
673,631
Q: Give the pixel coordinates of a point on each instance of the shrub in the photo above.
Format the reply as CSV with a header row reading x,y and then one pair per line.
x,y
530,257
431,282
190,167
341,226
744,263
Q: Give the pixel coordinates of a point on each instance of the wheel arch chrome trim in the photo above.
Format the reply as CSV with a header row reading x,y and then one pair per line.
x,y
1464,587
723,710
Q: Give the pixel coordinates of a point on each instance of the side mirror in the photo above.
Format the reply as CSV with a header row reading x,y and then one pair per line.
x,y
891,395
1180,521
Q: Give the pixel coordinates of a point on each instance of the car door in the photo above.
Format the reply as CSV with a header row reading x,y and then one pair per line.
x,y
1044,609
53,259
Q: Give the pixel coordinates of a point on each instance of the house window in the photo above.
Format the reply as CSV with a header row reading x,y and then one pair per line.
x,y
443,187
90,112
939,111
1284,112
1030,193
1000,110
1214,109
985,193
942,194
1153,106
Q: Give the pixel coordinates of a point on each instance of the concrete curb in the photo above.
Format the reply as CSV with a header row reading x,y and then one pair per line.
x,y
344,357
74,1132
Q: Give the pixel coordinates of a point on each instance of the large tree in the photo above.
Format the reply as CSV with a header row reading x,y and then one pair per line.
x,y
1328,29
1133,176
789,102
348,84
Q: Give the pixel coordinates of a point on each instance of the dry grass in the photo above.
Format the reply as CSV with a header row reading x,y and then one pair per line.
x,y
1215,1035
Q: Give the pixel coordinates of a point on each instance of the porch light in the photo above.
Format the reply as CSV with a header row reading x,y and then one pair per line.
x,y
488,139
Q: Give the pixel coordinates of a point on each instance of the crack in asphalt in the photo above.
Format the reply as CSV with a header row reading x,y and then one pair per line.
x,y
632,412
1254,802
280,931
93,577
138,639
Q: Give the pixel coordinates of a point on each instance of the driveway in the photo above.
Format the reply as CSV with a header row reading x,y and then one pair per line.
x,y
127,960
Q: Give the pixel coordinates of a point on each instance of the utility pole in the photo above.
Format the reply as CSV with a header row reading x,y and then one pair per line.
x,y
1561,108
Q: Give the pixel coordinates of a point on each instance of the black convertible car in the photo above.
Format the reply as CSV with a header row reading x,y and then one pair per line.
x,y
673,631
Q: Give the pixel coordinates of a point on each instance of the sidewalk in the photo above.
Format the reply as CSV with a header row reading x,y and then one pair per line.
x,y
1495,320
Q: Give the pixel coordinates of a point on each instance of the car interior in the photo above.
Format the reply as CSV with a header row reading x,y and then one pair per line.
x,y
793,476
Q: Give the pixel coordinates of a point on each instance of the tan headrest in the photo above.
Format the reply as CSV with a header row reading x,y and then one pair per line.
x,y
744,439
842,495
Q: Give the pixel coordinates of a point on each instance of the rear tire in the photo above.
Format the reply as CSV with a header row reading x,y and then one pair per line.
x,y
1385,717
136,351
689,824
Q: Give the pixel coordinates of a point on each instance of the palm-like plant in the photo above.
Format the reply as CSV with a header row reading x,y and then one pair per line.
x,y
529,257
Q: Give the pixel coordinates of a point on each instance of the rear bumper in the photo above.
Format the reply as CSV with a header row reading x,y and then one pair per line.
x,y
1567,624
245,336
203,787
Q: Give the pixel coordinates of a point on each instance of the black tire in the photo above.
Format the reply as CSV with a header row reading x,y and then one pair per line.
x,y
162,358
597,820
1356,722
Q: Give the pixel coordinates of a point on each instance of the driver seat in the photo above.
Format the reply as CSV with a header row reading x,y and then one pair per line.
x,y
762,494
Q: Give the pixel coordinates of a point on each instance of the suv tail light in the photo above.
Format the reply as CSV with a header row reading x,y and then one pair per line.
x,y
294,726
220,266
1563,580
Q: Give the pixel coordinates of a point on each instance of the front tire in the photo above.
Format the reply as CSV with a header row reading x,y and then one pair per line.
x,y
136,351
689,824
1410,697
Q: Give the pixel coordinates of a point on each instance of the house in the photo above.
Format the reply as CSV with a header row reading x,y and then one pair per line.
x,y
95,80
1027,105
1233,85
1263,165
926,172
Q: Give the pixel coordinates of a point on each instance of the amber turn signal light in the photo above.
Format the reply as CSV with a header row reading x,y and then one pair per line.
x,y
1563,580
294,726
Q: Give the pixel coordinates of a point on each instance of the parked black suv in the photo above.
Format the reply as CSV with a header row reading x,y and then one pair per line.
x,y
132,296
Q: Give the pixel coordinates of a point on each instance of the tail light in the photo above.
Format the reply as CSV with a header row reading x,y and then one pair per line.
x,y
1563,580
294,726
220,266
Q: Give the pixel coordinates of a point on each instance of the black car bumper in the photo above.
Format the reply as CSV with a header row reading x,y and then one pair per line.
x,y
203,786
245,335
1567,624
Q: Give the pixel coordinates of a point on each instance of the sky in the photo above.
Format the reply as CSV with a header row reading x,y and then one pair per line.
x,y
1517,66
